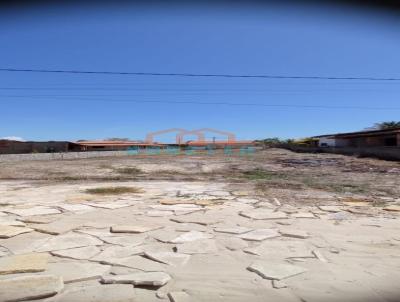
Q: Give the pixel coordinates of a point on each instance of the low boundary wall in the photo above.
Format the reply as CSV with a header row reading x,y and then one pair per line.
x,y
58,156
386,153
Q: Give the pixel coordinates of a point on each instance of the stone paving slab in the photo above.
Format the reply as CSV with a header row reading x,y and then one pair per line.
x,y
27,263
80,253
68,241
275,271
263,214
260,235
155,279
206,246
77,271
134,228
7,231
98,293
38,210
139,263
170,258
29,287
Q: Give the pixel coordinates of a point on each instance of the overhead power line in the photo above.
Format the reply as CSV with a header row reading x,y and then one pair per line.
x,y
64,98
260,76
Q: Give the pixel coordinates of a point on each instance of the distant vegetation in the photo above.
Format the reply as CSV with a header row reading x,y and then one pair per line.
x,y
113,190
385,125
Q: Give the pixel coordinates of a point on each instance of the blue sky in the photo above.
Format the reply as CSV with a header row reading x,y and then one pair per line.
x,y
268,39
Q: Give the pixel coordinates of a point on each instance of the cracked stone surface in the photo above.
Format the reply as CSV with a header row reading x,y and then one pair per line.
x,y
202,230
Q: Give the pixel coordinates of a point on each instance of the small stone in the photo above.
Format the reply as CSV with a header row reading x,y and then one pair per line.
x,y
99,293
77,271
275,271
260,234
30,288
191,236
179,297
134,228
278,284
170,258
7,231
68,241
155,279
263,214
319,255
393,208
334,250
294,234
80,253
232,230
27,263
39,210
276,201
198,247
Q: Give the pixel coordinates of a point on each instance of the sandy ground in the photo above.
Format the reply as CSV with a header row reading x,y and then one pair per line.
x,y
273,226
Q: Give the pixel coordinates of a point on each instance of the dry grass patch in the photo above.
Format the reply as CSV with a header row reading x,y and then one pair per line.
x,y
113,190
128,170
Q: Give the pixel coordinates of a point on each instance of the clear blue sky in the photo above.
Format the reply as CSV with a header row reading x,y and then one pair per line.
x,y
282,40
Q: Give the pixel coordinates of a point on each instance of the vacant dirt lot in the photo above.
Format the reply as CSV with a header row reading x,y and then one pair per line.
x,y
271,226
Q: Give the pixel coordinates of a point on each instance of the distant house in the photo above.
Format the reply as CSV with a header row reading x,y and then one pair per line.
x,y
20,147
362,139
110,145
